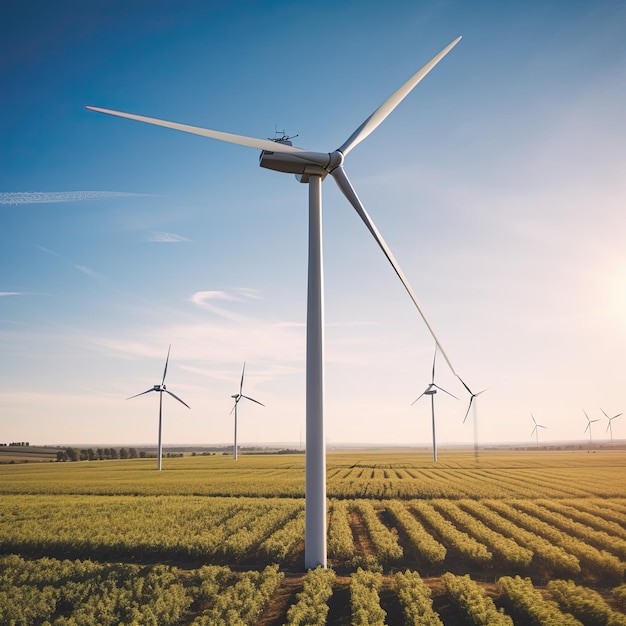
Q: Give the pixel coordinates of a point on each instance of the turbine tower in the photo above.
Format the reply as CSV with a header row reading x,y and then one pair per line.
x,y
535,430
312,168
589,422
161,389
238,397
431,390
609,427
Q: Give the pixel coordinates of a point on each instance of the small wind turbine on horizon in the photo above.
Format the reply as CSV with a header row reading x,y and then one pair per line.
x,y
161,389
431,390
589,422
472,403
312,168
609,427
535,430
237,397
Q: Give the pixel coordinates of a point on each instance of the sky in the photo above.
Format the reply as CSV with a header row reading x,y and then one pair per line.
x,y
498,183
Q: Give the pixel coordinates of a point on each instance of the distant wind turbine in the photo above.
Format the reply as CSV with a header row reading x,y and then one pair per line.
x,y
472,403
589,422
535,430
237,397
431,390
312,168
161,388
609,427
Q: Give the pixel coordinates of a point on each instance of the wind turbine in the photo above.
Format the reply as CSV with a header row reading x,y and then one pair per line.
x,y
312,167
535,430
589,422
431,390
472,403
238,397
161,388
609,427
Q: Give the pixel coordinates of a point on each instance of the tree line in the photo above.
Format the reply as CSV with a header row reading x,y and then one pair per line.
x,y
98,454
101,454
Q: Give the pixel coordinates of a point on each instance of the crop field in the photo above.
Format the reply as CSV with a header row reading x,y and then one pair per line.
x,y
510,537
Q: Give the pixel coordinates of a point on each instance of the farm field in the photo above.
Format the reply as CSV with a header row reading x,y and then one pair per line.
x,y
513,537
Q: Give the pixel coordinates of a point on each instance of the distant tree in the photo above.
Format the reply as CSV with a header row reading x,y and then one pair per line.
x,y
124,453
100,454
91,454
132,452
72,454
142,454
83,455
114,454
62,456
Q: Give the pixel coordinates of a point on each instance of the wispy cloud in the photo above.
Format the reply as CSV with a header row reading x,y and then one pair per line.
x,y
57,197
89,272
159,237
22,293
46,250
201,297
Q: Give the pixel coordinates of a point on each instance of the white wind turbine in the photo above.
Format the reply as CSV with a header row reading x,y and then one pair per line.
x,y
312,167
535,430
589,422
161,389
238,397
431,390
609,427
472,403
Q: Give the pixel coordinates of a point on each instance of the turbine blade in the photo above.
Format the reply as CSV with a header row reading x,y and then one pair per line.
x,y
242,140
176,397
253,400
379,116
464,385
348,191
242,373
166,362
442,389
432,380
141,394
469,406
418,397
534,421
234,407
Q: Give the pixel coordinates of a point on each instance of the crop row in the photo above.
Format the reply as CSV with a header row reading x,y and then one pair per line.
x,y
83,592
405,476
522,536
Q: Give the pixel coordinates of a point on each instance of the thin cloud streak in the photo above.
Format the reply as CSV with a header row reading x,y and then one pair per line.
x,y
57,197
160,237
89,272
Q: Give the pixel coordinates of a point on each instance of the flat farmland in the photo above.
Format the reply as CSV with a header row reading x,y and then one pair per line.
x,y
512,537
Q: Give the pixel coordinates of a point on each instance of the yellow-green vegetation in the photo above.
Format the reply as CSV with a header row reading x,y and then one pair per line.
x,y
209,540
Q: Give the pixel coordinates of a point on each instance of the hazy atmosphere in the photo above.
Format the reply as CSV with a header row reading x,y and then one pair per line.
x,y
498,184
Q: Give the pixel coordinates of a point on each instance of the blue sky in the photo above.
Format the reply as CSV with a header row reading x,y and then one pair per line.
x,y
498,184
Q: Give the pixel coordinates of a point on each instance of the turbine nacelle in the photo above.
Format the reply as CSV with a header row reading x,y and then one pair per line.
x,y
303,164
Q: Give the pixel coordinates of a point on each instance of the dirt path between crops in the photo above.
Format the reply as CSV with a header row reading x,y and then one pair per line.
x,y
362,543
283,598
